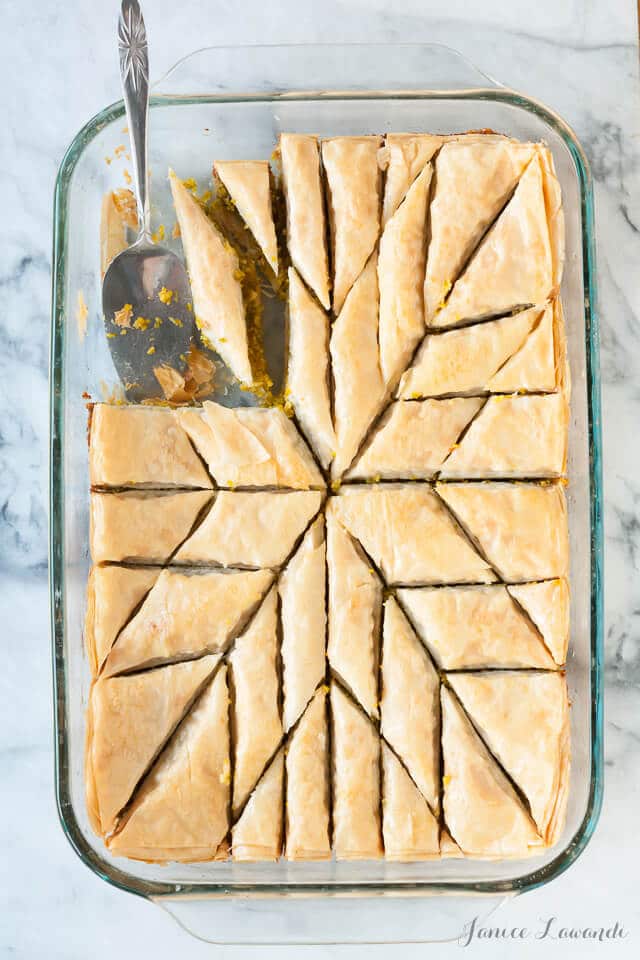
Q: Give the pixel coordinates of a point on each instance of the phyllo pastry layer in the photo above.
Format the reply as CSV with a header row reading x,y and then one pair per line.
x,y
248,184
307,802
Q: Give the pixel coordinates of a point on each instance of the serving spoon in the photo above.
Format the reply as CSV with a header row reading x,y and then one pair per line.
x,y
146,296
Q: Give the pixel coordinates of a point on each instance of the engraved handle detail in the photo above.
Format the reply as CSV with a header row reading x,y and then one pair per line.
x,y
134,73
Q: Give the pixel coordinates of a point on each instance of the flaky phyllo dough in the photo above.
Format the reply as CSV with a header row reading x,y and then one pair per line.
x,y
336,626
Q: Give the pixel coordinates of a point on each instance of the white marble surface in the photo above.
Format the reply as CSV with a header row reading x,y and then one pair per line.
x,y
58,68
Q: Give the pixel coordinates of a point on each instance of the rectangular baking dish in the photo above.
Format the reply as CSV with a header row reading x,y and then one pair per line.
x,y
326,90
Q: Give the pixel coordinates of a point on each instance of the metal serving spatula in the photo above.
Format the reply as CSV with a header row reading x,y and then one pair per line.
x,y
146,281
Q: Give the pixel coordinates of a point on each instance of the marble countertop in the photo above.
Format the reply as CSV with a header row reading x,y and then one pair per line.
x,y
58,69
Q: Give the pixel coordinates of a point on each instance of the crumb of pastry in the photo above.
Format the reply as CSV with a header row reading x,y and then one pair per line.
x,y
127,177
165,295
190,184
196,383
446,779
176,321
151,350
123,332
142,323
158,236
335,485
119,214
157,323
82,312
122,317
119,150
112,393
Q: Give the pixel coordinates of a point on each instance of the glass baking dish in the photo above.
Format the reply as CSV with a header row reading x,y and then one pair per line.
x,y
326,90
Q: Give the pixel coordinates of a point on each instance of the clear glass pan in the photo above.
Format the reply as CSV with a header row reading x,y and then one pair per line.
x,y
327,90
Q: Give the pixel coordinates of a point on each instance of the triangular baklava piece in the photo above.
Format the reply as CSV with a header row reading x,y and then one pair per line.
x,y
358,385
355,608
307,805
258,833
474,178
547,604
520,527
181,810
142,526
251,447
304,623
403,157
306,229
474,627
256,690
484,814
414,439
129,721
247,183
141,446
464,361
356,781
353,177
400,269
410,702
513,437
519,261
213,271
409,827
113,594
524,720
409,534
187,615
251,529
308,368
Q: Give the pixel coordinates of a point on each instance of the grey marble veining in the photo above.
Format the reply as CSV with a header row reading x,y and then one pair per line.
x,y
58,69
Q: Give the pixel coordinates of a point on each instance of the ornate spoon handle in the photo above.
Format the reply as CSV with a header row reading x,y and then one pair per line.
x,y
134,73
